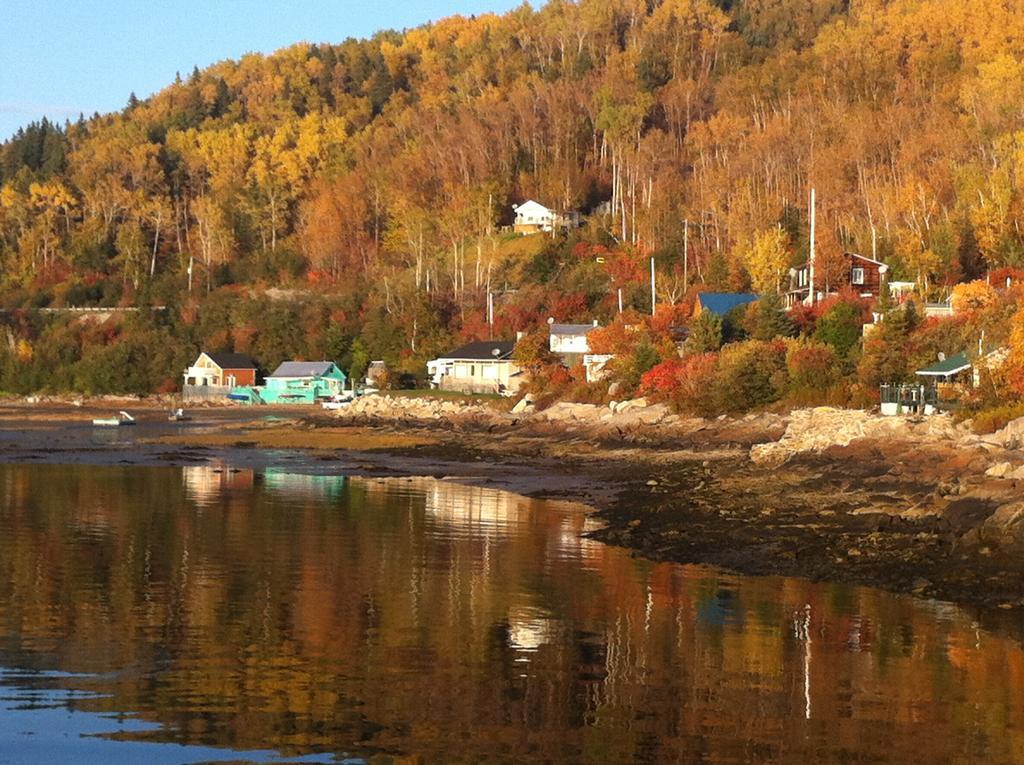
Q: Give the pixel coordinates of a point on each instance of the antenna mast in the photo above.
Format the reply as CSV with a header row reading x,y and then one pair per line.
x,y
810,276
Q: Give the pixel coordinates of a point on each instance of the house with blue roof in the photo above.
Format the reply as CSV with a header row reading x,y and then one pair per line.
x,y
720,303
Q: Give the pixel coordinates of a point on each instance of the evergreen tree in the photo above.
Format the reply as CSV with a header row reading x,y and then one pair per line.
x,y
840,327
767,319
705,333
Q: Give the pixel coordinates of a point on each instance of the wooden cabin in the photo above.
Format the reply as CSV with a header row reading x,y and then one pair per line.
x,y
862,274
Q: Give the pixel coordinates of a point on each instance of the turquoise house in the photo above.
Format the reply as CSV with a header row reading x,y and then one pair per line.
x,y
296,382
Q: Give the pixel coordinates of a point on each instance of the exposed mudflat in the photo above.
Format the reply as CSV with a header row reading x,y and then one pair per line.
x,y
909,516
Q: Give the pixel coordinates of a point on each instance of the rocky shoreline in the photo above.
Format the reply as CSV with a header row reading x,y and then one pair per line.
x,y
922,506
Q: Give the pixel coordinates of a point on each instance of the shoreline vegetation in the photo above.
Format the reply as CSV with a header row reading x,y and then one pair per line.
x,y
925,506
359,201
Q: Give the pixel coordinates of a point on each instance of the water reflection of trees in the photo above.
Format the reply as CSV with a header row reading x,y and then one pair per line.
x,y
425,617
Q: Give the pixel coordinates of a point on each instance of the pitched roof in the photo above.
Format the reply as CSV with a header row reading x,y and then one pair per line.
x,y
722,302
530,205
865,258
571,329
949,366
231,360
869,260
303,369
483,350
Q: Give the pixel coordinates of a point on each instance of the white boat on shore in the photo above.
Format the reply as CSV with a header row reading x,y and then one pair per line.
x,y
339,401
120,419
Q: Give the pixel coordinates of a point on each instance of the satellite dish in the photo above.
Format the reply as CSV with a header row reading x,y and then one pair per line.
x,y
551,320
942,356
496,352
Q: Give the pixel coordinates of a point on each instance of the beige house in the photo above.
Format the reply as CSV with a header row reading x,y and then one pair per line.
x,y
485,366
221,370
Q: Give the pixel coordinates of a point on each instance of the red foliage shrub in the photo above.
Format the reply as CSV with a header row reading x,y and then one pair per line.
x,y
999,276
813,367
804,317
663,381
669,315
167,385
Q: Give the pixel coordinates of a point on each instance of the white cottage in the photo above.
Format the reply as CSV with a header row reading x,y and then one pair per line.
x,y
533,218
481,367
569,340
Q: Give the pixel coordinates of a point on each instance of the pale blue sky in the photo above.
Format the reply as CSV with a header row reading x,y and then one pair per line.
x,y
59,58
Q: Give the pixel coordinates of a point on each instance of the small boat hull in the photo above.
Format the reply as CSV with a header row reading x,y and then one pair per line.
x,y
121,419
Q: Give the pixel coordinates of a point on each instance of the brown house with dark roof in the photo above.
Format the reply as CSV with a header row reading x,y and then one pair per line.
x,y
862,274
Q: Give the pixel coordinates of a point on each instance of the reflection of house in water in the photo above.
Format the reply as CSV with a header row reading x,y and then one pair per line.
x,y
303,485
205,484
497,515
475,506
530,628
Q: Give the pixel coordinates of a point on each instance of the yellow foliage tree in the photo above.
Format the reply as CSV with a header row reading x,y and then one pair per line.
x,y
766,258
973,296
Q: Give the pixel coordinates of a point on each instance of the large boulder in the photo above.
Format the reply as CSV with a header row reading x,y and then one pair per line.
x,y
815,430
1004,528
1009,437
524,405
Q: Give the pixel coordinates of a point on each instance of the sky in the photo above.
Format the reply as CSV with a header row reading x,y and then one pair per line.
x,y
61,58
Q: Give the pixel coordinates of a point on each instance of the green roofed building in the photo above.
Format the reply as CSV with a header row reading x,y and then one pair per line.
x,y
945,369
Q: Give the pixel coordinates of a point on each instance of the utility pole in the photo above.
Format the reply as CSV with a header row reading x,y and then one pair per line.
x,y
490,311
686,255
810,276
654,300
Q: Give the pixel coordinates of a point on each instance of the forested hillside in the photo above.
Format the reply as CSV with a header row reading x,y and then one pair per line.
x,y
370,179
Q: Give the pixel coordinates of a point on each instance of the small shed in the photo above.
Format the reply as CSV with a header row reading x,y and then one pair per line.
x,y
927,396
376,373
303,382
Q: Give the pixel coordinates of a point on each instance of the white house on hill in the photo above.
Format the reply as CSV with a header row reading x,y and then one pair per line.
x,y
570,341
533,217
569,338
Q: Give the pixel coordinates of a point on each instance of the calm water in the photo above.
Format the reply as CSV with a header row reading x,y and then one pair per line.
x,y
167,615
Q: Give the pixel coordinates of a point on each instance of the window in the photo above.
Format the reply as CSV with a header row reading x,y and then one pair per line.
x,y
857,276
801,278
